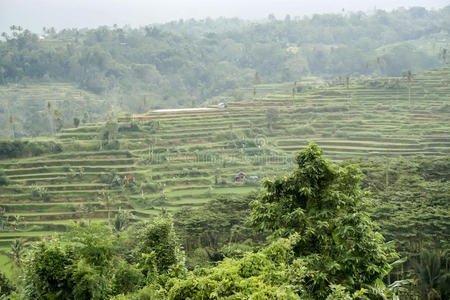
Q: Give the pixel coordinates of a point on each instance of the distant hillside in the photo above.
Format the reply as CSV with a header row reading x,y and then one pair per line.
x,y
184,64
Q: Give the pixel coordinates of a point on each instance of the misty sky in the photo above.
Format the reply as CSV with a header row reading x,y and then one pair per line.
x,y
35,14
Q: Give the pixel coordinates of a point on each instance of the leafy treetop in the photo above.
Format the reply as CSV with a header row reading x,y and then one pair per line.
x,y
323,205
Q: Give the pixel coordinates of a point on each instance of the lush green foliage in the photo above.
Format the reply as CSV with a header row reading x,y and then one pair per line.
x,y
46,271
93,263
323,204
159,248
268,274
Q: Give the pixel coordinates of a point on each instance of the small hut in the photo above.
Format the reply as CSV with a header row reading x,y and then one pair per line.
x,y
240,177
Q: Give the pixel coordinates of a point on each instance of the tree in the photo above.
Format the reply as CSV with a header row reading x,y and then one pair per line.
x,y
46,271
11,126
108,135
59,119
122,220
324,206
159,247
4,180
408,76
127,278
256,79
76,122
379,63
16,252
88,283
272,116
88,210
432,273
17,220
2,218
219,222
50,117
107,200
443,55
77,266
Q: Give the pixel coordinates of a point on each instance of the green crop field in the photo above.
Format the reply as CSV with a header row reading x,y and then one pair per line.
x,y
175,159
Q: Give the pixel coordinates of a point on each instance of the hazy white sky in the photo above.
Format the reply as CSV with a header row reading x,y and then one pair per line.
x,y
35,14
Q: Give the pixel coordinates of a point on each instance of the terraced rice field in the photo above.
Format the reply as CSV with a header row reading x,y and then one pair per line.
x,y
177,159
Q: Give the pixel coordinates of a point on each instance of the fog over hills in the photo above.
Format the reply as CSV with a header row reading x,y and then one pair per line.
x,y
34,15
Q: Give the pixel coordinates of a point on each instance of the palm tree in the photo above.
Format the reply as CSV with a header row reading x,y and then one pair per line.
x,y
17,220
50,117
59,119
443,55
16,252
121,221
432,274
107,200
11,126
88,209
379,63
408,76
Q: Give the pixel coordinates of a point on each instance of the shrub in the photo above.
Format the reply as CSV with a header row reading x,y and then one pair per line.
x,y
6,286
244,143
39,193
20,148
159,247
113,179
88,283
3,178
126,279
114,145
132,126
160,200
305,129
47,272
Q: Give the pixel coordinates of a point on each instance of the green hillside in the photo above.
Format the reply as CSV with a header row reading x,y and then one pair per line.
x,y
91,74
145,163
